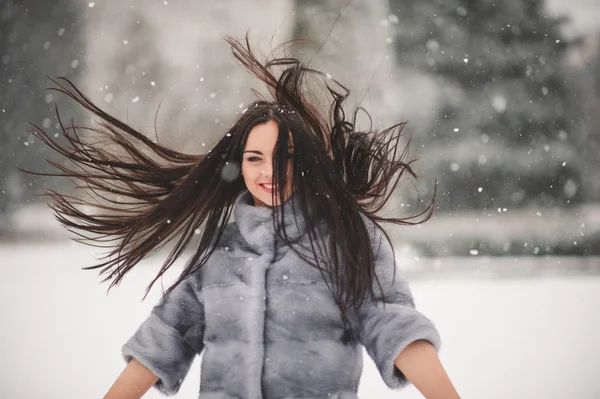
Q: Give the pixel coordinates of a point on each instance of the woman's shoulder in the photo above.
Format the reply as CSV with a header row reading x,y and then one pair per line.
x,y
375,231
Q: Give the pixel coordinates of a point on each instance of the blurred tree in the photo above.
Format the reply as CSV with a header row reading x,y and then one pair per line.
x,y
506,130
172,56
352,43
592,78
348,41
37,39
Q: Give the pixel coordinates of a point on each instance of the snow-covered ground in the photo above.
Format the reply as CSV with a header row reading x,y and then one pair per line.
x,y
502,338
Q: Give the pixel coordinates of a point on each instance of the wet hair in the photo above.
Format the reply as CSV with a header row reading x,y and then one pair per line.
x,y
149,195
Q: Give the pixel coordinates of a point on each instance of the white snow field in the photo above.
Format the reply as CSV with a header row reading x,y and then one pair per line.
x,y
502,338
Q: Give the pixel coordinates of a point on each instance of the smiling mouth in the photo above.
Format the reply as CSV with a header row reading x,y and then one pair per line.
x,y
269,188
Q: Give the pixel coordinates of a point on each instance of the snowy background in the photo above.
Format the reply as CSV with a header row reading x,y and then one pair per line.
x,y
502,101
502,338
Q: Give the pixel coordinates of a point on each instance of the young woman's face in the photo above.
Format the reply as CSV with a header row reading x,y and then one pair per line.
x,y
257,165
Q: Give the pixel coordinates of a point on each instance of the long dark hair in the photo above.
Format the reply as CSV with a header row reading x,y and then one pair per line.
x,y
150,195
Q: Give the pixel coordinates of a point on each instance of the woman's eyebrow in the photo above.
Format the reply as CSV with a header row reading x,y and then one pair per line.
x,y
260,153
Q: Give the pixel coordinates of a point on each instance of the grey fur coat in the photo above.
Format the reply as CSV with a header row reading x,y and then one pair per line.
x,y
267,324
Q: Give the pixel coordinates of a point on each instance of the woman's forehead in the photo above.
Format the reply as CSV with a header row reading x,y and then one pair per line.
x,y
264,136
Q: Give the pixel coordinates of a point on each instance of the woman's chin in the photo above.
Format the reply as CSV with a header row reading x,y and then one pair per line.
x,y
263,200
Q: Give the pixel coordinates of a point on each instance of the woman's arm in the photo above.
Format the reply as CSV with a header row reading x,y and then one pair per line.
x,y
167,342
421,365
133,383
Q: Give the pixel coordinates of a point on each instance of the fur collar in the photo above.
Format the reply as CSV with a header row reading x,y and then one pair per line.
x,y
256,226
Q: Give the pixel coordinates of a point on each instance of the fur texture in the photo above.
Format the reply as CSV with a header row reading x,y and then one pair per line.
x,y
268,325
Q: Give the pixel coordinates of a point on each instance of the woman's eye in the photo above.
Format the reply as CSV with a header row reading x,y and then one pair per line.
x,y
252,159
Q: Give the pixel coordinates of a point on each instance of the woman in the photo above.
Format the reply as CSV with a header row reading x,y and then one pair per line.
x,y
280,301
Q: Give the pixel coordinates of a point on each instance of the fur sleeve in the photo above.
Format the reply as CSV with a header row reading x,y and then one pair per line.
x,y
390,323
168,340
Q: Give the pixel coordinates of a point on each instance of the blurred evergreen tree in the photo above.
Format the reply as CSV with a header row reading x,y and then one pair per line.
x,y
37,39
506,130
592,77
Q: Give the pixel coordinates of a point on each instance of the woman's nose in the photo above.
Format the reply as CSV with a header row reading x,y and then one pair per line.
x,y
266,171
